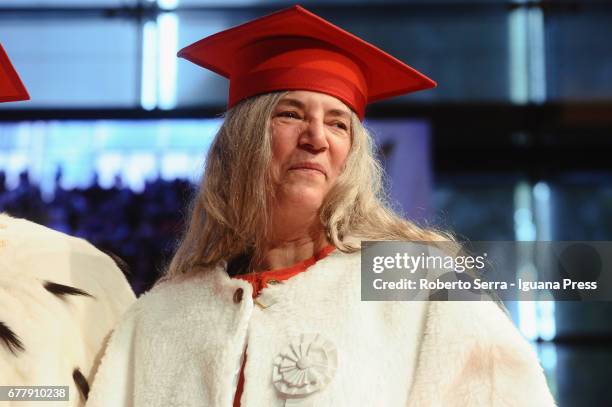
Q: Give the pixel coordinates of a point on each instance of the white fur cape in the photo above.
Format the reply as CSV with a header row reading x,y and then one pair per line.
x,y
60,297
181,345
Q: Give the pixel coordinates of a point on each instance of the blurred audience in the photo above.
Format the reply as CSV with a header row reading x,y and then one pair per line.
x,y
140,228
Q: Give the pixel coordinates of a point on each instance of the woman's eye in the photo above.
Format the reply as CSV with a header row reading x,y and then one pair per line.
x,y
289,114
341,125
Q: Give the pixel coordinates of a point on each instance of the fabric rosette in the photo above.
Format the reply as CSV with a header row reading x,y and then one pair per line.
x,y
305,366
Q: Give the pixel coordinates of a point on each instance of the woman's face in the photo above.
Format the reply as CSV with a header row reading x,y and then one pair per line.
x,y
311,138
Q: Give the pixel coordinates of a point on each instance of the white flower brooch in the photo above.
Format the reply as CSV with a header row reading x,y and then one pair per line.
x,y
304,366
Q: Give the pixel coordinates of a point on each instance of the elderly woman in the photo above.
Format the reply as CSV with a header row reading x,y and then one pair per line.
x,y
261,303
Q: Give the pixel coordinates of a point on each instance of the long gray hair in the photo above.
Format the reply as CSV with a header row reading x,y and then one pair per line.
x,y
230,212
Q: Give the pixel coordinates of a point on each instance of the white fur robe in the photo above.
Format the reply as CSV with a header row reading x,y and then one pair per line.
x,y
60,297
181,345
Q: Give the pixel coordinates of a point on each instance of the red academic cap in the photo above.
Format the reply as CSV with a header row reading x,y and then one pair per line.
x,y
294,49
11,88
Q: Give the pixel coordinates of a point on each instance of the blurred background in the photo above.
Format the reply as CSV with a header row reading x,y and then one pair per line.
x,y
514,144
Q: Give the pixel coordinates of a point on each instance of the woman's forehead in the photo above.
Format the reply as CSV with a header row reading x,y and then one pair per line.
x,y
305,98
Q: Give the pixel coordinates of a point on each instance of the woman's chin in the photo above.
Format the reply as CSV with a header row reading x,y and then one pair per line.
x,y
304,196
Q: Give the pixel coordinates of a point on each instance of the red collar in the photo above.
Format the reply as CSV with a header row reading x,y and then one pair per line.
x,y
261,279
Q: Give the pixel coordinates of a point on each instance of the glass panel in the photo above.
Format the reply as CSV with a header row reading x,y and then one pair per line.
x,y
582,207
466,55
475,206
67,3
74,62
579,57
582,210
195,85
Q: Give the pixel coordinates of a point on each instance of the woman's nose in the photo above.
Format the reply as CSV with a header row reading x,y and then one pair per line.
x,y
314,135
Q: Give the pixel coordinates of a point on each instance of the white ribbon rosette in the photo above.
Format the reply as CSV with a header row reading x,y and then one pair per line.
x,y
303,367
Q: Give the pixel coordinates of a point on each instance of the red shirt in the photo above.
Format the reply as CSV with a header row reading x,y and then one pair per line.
x,y
260,280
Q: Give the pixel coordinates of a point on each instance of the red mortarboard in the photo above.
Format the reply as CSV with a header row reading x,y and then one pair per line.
x,y
294,49
11,88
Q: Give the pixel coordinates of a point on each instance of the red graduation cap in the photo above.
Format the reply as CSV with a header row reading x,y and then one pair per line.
x,y
294,49
11,88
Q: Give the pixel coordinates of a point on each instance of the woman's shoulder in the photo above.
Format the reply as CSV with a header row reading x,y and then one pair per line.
x,y
171,296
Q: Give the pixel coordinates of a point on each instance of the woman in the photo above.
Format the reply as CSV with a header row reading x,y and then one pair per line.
x,y
261,303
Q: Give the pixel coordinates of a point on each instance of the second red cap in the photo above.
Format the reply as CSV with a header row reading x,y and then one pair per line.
x,y
11,88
